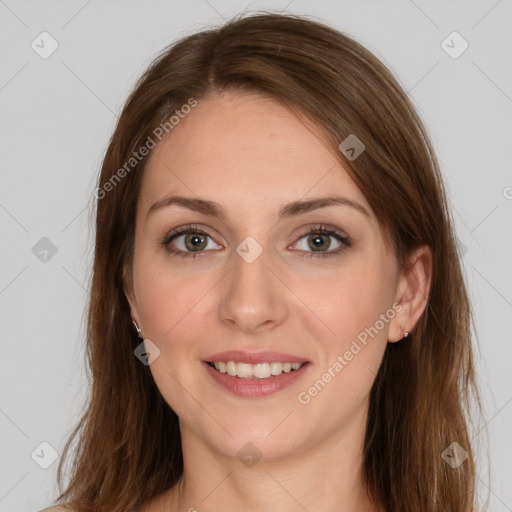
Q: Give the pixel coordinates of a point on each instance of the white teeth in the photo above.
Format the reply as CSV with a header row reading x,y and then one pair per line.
x,y
231,368
261,370
255,371
276,368
244,370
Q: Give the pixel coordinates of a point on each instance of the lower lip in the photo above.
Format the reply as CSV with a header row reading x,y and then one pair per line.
x,y
255,388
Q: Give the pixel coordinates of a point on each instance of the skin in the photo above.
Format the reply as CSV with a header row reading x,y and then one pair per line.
x,y
252,155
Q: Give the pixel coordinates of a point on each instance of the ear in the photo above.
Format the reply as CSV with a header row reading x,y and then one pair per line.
x,y
413,291
129,293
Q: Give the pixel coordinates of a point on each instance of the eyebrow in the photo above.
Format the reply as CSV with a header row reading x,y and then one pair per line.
x,y
290,209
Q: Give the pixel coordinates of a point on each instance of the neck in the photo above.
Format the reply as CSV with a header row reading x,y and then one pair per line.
x,y
323,477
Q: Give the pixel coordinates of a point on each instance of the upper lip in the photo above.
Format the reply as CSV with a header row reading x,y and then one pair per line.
x,y
254,357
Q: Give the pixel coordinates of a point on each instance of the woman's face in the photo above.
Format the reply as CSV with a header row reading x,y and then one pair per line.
x,y
261,283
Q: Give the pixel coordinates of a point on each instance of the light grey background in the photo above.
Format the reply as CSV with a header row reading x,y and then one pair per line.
x,y
58,114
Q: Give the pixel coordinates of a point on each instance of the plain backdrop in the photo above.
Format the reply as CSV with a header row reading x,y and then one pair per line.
x,y
59,109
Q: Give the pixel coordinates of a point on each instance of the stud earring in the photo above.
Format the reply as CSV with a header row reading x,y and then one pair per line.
x,y
139,330
404,332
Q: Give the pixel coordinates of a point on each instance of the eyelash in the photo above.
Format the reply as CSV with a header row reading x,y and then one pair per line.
x,y
320,229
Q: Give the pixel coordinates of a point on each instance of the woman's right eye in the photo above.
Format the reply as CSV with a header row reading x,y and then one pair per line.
x,y
189,241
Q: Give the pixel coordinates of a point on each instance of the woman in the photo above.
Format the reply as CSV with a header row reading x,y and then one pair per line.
x,y
278,317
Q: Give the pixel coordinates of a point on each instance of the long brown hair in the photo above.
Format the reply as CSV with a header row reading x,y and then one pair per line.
x,y
129,446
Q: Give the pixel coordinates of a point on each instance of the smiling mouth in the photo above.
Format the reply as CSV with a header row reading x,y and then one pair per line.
x,y
254,371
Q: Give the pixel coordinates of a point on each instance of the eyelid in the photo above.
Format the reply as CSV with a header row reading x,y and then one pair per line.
x,y
321,227
192,228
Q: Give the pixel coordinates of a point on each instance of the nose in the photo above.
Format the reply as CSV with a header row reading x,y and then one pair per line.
x,y
254,299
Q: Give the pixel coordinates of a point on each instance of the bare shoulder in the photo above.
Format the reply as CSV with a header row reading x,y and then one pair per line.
x,y
56,508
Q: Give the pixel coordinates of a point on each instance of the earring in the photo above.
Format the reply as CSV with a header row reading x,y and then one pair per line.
x,y
139,330
404,332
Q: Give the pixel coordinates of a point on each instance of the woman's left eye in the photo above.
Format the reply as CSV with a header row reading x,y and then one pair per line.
x,y
317,239
191,241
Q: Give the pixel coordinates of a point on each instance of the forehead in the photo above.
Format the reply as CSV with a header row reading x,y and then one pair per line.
x,y
245,149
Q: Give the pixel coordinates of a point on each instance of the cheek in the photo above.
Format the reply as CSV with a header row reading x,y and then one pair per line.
x,y
169,302
351,302
174,309
355,306
339,385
